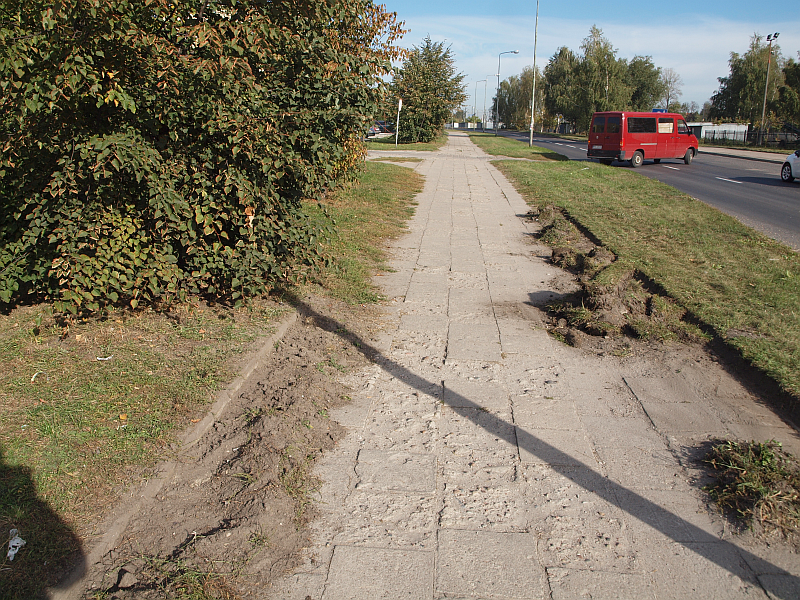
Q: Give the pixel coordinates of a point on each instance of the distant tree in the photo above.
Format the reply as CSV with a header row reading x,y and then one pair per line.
x,y
560,95
430,89
705,112
789,94
672,87
603,79
515,99
741,94
690,110
645,80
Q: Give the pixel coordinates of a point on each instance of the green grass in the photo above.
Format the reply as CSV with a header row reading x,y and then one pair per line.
x,y
732,278
387,143
502,146
74,428
366,214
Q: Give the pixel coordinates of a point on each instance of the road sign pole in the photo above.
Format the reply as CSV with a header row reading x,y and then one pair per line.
x,y
397,123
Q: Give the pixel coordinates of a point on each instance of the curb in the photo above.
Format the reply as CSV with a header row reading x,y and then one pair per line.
x,y
70,587
774,161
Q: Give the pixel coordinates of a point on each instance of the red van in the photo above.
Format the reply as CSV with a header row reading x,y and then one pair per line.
x,y
636,136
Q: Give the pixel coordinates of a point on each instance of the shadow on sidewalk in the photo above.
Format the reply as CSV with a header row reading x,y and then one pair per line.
x,y
713,549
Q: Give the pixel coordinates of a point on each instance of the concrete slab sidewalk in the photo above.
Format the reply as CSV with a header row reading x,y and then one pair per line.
x,y
487,460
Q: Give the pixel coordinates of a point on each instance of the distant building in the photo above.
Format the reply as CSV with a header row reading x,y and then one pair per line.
x,y
724,132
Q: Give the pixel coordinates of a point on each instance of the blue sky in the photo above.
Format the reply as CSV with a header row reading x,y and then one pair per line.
x,y
695,39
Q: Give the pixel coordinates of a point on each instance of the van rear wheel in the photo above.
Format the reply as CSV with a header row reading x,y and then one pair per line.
x,y
606,161
637,159
687,158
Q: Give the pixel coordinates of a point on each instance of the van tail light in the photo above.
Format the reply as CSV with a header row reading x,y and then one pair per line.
x,y
622,143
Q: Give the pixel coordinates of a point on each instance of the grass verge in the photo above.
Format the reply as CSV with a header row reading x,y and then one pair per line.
x,y
387,143
731,278
367,213
87,411
759,484
502,146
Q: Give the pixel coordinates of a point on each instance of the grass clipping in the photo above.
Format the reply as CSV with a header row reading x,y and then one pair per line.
x,y
759,483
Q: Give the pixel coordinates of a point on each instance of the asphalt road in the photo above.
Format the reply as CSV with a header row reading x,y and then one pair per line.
x,y
749,190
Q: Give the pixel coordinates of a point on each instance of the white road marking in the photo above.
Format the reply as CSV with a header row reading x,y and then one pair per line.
x,y
673,168
729,180
557,144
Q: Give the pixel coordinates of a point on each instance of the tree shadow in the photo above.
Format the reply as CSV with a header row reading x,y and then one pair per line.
x,y
51,546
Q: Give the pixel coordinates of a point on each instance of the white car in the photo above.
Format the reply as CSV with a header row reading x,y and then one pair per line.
x,y
791,168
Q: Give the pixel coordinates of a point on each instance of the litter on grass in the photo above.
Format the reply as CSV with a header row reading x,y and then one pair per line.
x,y
14,544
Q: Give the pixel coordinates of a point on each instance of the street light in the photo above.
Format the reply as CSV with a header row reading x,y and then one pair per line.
x,y
475,98
533,94
497,96
484,99
770,39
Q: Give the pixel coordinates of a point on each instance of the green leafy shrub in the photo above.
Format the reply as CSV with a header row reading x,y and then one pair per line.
x,y
154,149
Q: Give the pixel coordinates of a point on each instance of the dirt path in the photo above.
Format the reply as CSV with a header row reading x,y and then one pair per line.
x,y
465,453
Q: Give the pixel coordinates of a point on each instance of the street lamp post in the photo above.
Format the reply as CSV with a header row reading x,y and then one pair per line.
x,y
497,95
533,94
484,101
475,103
770,39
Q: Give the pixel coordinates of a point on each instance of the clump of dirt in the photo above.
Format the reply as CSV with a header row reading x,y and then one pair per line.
x,y
233,516
615,304
758,486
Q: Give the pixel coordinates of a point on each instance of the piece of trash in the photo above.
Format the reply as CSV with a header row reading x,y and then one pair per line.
x,y
585,169
123,417
14,544
106,358
35,375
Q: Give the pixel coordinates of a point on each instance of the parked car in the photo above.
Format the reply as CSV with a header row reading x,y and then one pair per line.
x,y
384,127
636,136
791,168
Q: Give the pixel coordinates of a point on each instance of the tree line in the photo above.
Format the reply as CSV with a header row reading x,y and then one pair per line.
x,y
740,97
574,85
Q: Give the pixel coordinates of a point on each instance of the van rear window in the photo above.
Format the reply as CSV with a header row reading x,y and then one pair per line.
x,y
598,125
641,125
612,126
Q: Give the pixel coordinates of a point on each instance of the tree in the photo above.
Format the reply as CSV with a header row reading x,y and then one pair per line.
x,y
789,94
514,101
430,89
672,87
741,94
560,87
150,150
577,86
645,80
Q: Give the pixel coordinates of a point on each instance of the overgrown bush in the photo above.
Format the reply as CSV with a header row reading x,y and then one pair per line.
x,y
152,149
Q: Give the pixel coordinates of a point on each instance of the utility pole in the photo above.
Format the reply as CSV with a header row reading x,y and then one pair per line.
x,y
533,94
497,96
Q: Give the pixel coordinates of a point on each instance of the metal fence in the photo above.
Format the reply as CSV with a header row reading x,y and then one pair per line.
x,y
787,137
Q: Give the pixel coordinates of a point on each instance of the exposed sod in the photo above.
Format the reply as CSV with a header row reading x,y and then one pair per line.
x,y
387,143
759,484
740,283
502,146
85,411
